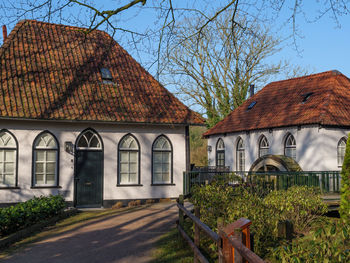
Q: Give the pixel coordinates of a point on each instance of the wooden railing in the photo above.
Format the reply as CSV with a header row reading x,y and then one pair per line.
x,y
229,243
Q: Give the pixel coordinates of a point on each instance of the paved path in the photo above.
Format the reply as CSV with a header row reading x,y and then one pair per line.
x,y
125,237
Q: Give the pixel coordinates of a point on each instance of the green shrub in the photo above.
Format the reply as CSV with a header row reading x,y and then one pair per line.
x,y
22,215
329,243
345,185
301,205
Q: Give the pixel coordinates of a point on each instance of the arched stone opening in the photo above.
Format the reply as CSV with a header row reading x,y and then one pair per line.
x,y
271,162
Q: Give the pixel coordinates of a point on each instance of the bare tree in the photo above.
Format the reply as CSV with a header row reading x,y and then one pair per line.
x,y
216,69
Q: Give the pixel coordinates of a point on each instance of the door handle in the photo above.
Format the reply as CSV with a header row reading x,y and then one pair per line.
x,y
88,183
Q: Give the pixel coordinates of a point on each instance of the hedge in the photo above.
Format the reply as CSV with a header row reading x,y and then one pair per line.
x,y
345,185
25,214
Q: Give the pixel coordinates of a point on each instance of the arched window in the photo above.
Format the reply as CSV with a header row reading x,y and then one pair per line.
x,y
89,140
240,155
263,146
341,151
290,147
220,153
162,161
45,172
129,161
8,159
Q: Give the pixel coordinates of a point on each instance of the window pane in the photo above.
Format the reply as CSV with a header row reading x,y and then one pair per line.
x,y
52,143
133,168
124,157
1,171
39,167
9,179
1,155
40,155
157,168
39,178
51,156
165,168
157,157
133,157
50,168
50,179
124,178
82,142
166,177
6,140
124,167
9,168
95,143
166,158
157,177
133,178
9,156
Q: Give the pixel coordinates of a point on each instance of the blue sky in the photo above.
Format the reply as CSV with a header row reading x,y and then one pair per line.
x,y
323,45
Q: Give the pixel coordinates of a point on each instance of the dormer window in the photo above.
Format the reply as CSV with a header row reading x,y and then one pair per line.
x,y
251,105
106,76
307,96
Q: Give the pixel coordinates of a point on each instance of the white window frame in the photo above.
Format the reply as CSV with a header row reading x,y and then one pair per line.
x,y
89,147
220,151
170,152
129,151
290,145
341,151
240,155
4,147
264,146
45,149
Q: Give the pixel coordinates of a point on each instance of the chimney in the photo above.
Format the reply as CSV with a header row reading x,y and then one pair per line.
x,y
251,90
4,32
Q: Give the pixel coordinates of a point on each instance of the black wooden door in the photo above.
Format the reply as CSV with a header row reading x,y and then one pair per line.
x,y
88,178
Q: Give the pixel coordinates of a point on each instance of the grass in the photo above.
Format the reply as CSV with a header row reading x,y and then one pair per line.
x,y
171,248
65,225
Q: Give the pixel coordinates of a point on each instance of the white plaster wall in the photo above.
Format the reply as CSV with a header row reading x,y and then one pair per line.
x,y
26,131
316,148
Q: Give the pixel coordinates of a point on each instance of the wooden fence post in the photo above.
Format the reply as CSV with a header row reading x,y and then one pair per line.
x,y
181,214
220,224
237,234
196,231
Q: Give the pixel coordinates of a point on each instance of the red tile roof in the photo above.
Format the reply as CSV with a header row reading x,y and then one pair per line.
x,y
52,72
280,104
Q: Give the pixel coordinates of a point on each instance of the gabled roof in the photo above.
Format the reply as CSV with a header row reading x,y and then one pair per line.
x,y
322,98
52,72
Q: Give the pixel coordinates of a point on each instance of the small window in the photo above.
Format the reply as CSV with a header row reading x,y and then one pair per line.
x,y
8,159
220,153
106,76
129,165
162,161
240,154
263,146
45,171
341,151
290,149
251,105
89,140
307,96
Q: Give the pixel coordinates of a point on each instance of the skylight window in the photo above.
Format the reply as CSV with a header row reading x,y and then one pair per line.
x,y
307,96
106,76
251,105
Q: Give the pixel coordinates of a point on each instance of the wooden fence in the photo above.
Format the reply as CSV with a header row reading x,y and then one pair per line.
x,y
229,240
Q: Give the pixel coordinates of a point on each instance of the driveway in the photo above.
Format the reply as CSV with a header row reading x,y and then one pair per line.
x,y
125,237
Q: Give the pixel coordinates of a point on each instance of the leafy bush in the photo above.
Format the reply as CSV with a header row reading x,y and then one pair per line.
x,y
299,204
22,215
329,243
345,185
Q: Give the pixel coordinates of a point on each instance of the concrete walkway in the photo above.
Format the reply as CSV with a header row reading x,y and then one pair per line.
x,y
125,237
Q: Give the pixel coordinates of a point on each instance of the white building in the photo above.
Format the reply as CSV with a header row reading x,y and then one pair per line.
x,y
80,117
294,124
